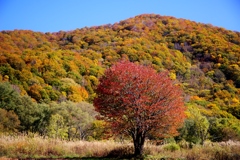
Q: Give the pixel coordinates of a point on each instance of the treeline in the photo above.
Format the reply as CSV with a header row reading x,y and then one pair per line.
x,y
64,120
59,68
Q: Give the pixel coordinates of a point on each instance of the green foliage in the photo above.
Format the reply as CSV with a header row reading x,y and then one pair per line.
x,y
66,120
188,132
31,115
98,130
57,128
196,127
28,113
224,129
77,120
8,96
171,147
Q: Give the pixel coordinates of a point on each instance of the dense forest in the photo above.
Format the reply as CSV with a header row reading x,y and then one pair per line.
x,y
48,80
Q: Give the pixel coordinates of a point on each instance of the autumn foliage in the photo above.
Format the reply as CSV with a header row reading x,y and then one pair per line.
x,y
48,71
136,100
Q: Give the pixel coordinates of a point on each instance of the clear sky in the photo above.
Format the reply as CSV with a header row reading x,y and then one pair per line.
x,y
56,15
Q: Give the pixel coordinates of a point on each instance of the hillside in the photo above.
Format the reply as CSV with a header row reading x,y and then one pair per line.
x,y
66,65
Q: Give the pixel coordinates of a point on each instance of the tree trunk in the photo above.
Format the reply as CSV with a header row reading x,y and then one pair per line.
x,y
138,140
138,149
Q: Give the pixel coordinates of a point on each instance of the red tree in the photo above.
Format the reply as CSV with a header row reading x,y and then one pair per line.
x,y
136,100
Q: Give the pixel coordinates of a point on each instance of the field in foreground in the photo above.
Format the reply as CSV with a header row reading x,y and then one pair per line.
x,y
22,147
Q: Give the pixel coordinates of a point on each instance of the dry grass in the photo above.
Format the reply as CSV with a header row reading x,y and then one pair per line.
x,y
37,147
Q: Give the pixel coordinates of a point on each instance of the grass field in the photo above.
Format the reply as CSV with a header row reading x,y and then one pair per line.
x,y
23,147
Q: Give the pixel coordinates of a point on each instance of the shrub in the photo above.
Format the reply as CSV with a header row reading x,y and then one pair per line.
x,y
171,147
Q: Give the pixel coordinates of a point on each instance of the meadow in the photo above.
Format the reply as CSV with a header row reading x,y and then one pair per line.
x,y
35,147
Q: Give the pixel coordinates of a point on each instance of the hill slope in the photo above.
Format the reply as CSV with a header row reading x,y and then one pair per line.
x,y
61,66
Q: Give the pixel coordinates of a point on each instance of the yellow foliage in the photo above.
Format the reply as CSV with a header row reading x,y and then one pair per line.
x,y
188,114
172,75
212,106
196,98
223,94
78,94
64,93
5,78
206,112
235,100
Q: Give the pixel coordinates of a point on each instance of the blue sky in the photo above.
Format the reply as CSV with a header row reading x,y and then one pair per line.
x,y
56,15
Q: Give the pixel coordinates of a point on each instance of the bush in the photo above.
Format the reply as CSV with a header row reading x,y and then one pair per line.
x,y
171,147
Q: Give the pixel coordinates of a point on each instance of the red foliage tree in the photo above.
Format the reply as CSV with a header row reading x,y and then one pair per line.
x,y
136,100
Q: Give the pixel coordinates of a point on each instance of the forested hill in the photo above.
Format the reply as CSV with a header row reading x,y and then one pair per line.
x,y
66,65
